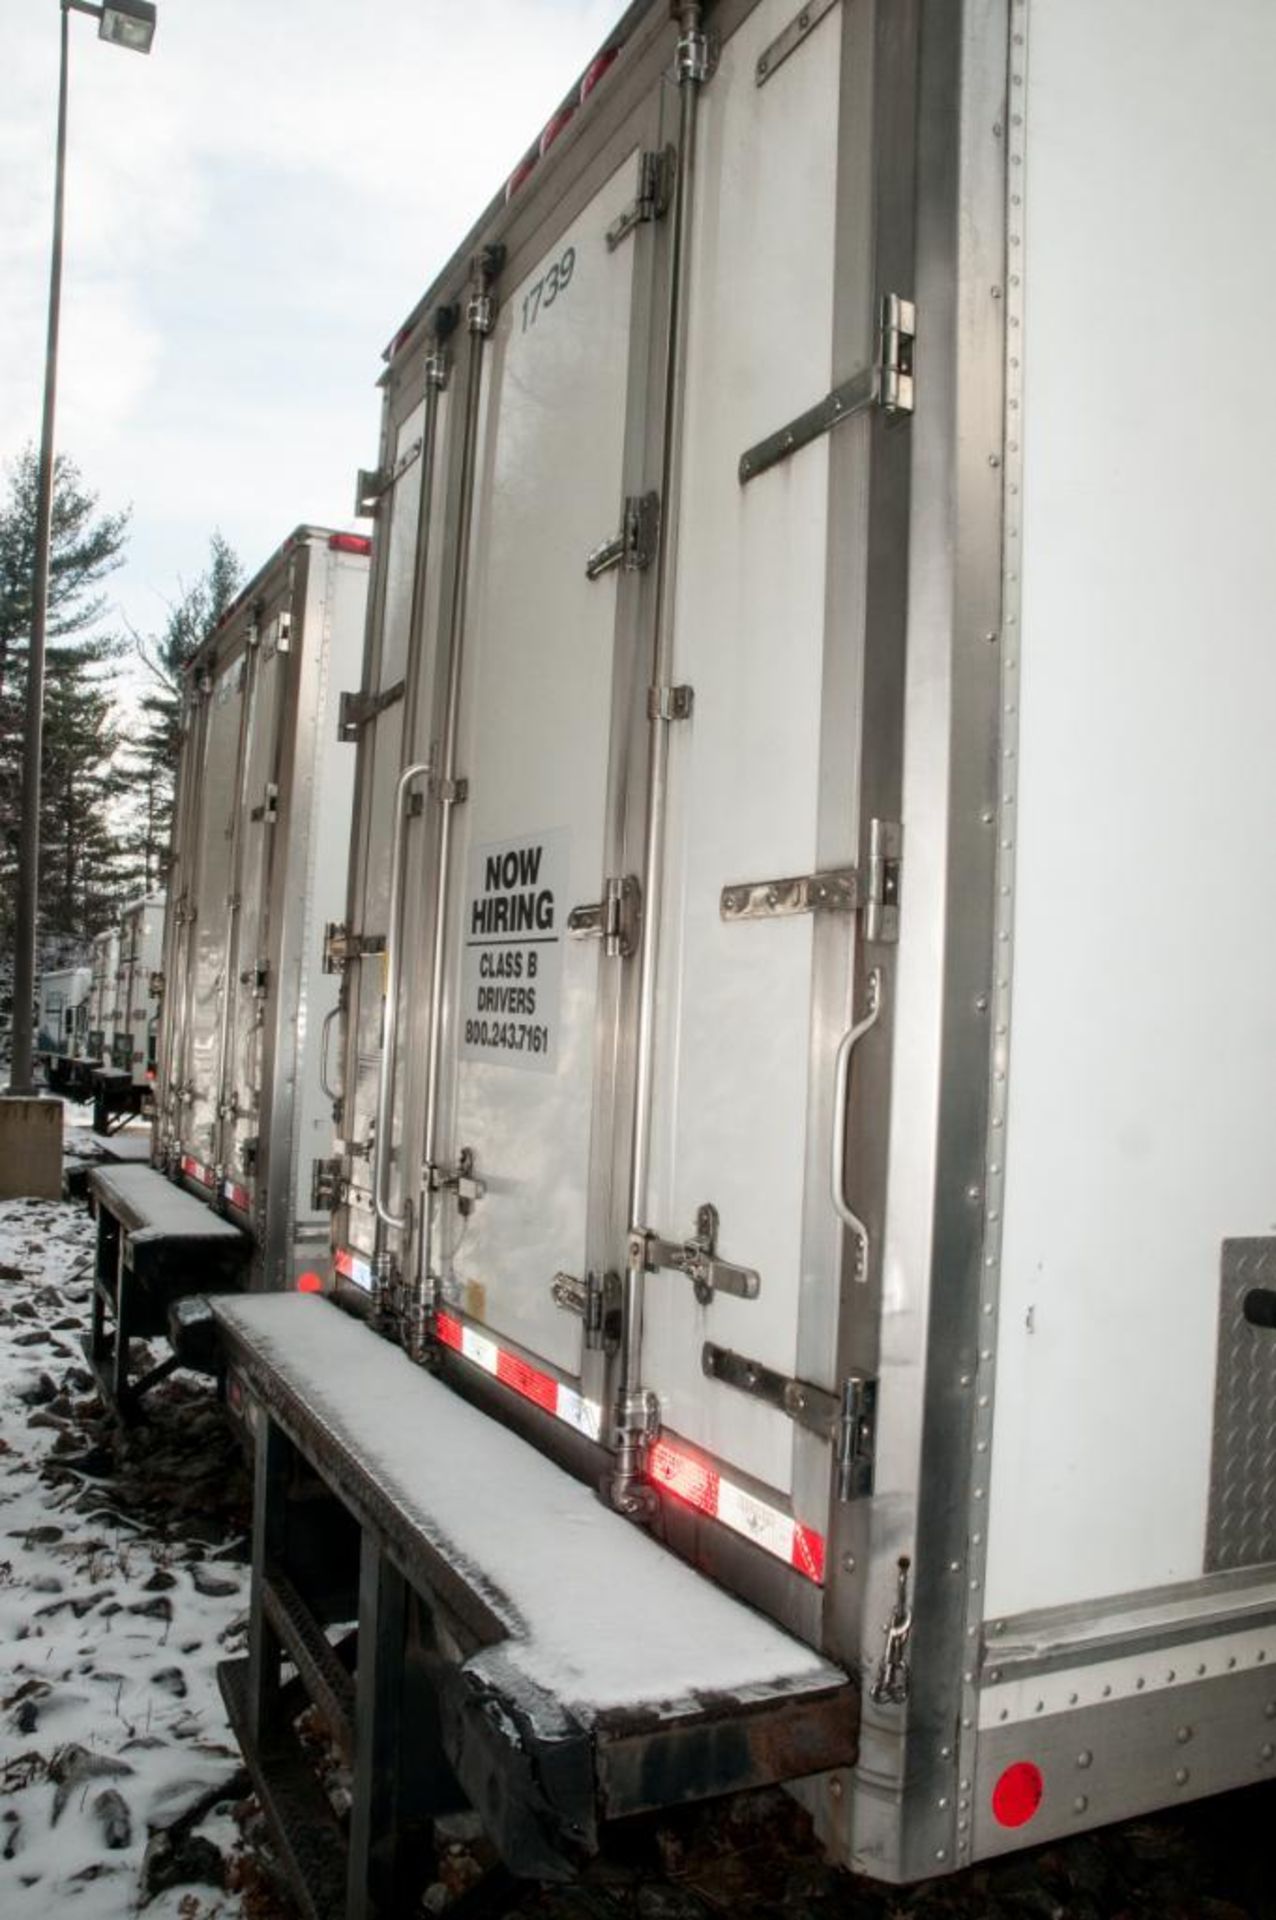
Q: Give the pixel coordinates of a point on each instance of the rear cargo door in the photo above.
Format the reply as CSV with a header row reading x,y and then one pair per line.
x,y
250,984
382,754
210,929
536,739
738,1103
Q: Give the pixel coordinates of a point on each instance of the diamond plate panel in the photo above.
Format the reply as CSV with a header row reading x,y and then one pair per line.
x,y
1242,1516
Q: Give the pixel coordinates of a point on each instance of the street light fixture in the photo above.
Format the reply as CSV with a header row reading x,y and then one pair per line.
x,y
131,24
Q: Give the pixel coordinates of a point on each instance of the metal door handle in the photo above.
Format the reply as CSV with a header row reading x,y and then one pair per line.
x,y
324,1033
390,1025
841,1102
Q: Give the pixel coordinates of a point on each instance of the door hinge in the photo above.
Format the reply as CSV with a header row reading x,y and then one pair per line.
x,y
354,710
634,548
856,1437
886,385
155,986
653,198
596,1299
460,1180
837,891
772,58
814,1408
614,919
326,1183
283,632
373,483
248,1155
885,856
268,811
697,1257
340,946
256,978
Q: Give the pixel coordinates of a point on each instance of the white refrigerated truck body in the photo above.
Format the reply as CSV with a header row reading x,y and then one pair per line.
x,y
140,944
261,826
831,1003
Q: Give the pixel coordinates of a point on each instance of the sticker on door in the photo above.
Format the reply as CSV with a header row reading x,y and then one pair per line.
x,y
514,915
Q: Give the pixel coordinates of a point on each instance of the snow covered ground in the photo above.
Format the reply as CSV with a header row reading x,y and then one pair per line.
x,y
123,1581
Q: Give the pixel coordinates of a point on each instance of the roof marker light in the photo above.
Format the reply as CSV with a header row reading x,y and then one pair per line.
x,y
595,71
349,543
553,127
520,174
1017,1794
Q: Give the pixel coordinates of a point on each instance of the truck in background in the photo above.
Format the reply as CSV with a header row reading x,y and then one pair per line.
x,y
261,827
62,1027
121,1073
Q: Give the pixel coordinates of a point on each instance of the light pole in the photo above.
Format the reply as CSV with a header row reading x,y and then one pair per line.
x,y
128,23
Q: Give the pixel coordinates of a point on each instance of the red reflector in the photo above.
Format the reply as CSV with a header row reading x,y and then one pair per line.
x,y
448,1330
350,543
808,1553
595,71
309,1283
553,128
1017,1794
529,1381
520,174
688,1479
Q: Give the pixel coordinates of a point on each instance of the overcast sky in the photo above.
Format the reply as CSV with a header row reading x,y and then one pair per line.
x,y
251,211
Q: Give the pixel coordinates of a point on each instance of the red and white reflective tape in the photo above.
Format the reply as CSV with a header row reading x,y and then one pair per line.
x,y
668,1467
704,1488
237,1195
352,1268
554,1396
196,1170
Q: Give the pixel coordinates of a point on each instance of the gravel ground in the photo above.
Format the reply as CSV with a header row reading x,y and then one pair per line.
x,y
123,1580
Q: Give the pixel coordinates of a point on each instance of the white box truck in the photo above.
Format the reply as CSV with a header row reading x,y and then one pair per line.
x,y
812,1022
261,826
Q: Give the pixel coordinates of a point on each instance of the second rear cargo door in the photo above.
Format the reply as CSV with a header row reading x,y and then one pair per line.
x,y
531,839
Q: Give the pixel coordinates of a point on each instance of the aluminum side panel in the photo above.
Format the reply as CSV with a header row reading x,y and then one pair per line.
x,y
536,707
1142,1130
736,1000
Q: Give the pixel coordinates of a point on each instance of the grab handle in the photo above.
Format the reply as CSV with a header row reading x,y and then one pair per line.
x,y
390,1025
841,1102
325,1034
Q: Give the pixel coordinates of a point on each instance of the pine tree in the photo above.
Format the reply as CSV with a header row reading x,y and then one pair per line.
x,y
79,869
152,765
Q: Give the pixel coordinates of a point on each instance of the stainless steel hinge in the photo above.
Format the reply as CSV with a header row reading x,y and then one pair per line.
x,y
856,1437
670,703
372,483
634,548
837,891
885,855
697,1257
896,336
814,1408
354,710
887,385
283,632
155,986
614,919
653,198
804,23
596,1299
256,978
248,1154
460,1180
268,811
326,1185
340,946
891,1683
